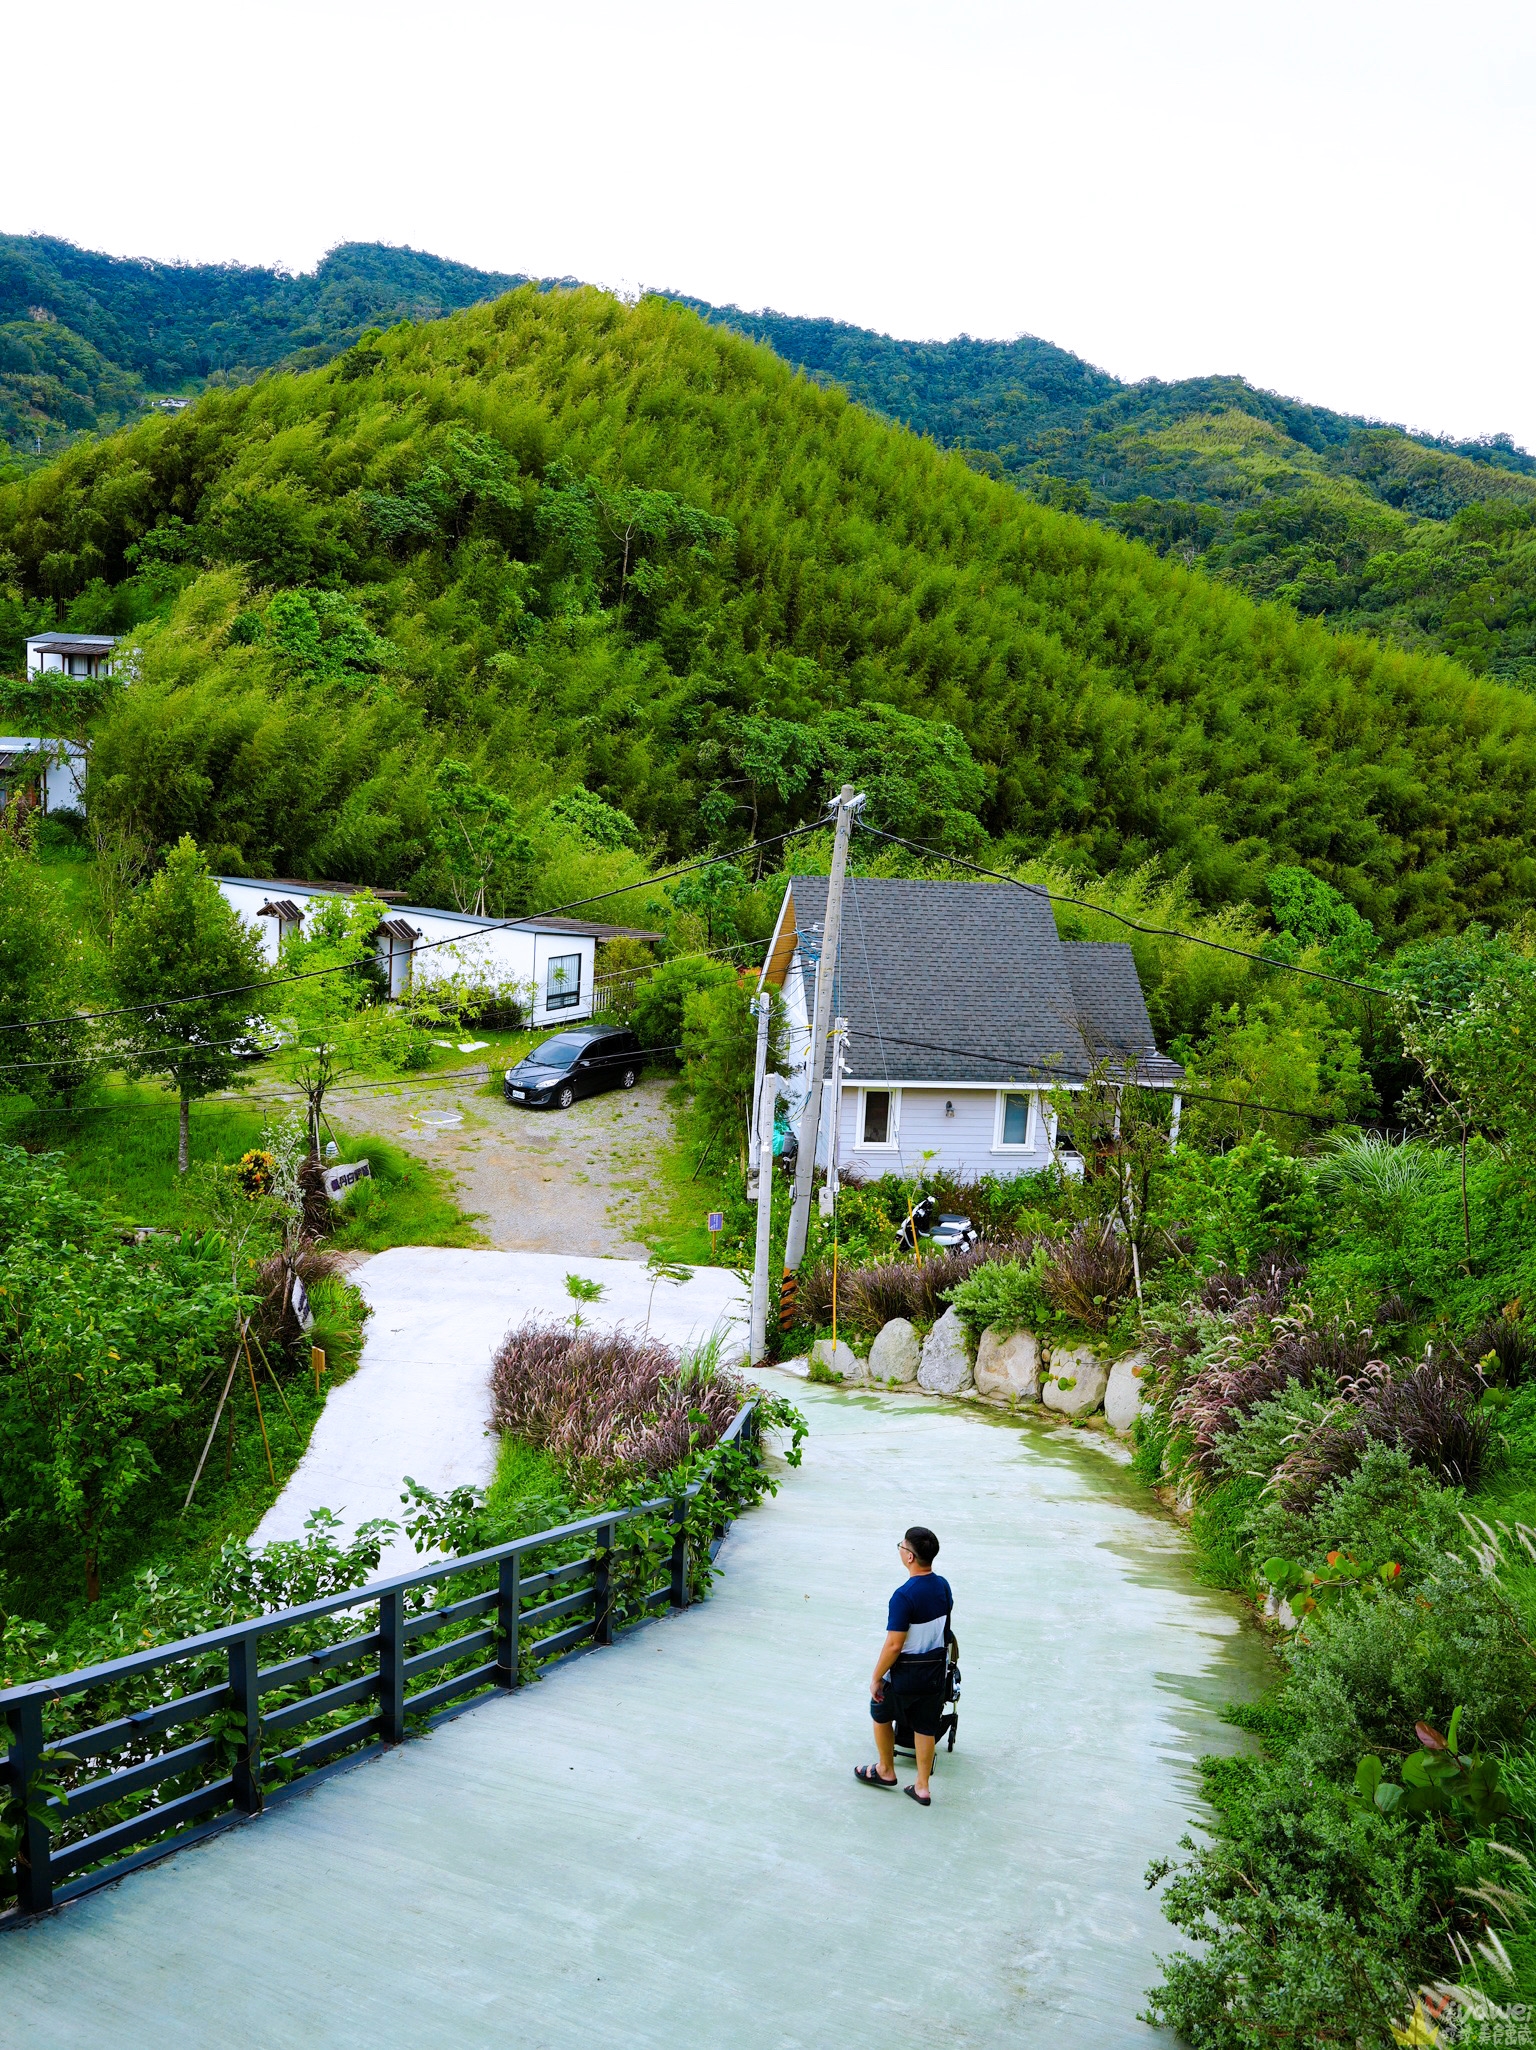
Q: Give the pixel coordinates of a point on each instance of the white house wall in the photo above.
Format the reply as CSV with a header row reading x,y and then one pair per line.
x,y
962,1145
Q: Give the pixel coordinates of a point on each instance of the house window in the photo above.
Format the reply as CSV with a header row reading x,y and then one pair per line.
x,y
1012,1120
562,987
878,1118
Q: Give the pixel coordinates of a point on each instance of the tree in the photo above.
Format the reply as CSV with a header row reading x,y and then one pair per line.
x,y
657,1018
178,937
332,1022
480,848
719,1057
99,1345
919,775
1312,913
42,973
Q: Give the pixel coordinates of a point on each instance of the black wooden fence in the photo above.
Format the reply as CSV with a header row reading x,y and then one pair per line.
x,y
248,1752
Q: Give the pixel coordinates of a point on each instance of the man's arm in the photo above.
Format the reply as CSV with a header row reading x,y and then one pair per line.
x,y
889,1652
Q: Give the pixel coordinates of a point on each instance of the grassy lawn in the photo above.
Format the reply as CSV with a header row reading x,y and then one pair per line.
x,y
121,1149
684,1183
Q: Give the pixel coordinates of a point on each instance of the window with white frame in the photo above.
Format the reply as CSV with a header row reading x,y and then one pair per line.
x,y
877,1118
1014,1132
562,982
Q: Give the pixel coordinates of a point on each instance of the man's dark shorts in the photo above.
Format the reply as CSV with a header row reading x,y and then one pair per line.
x,y
921,1713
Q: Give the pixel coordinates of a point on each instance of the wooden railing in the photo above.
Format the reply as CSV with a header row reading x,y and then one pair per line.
x,y
245,1751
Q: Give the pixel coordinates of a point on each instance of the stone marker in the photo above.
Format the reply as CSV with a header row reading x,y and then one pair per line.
x,y
1123,1396
1008,1363
946,1367
1080,1365
896,1353
842,1359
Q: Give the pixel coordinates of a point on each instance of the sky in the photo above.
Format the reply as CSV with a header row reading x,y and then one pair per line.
x,y
1333,200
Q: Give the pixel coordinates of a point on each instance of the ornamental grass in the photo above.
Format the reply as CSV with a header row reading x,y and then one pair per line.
x,y
608,1404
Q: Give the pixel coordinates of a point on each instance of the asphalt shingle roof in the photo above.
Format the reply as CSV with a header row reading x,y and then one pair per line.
x,y
970,982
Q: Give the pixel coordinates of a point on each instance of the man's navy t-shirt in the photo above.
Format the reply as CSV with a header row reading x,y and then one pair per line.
x,y
921,1607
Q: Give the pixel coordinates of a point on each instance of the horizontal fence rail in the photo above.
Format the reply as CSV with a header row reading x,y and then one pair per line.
x,y
230,1735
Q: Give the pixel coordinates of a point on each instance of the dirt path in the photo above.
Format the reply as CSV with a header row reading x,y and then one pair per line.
x,y
556,1181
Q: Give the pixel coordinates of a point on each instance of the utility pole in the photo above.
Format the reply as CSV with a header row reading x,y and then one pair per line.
x,y
847,804
763,1005
762,1134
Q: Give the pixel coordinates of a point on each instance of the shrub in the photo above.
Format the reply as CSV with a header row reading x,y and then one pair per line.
x,y
659,1001
1427,1409
1005,1295
1370,1665
1387,1508
1315,1916
607,1404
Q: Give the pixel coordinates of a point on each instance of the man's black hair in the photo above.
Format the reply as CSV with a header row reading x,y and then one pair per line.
x,y
924,1543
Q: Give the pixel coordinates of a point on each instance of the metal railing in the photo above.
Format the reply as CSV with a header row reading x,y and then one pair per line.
x,y
247,1753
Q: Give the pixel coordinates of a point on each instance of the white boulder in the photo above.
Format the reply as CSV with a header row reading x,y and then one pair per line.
x,y
800,1367
837,1357
896,1354
1008,1364
1123,1395
946,1367
1087,1373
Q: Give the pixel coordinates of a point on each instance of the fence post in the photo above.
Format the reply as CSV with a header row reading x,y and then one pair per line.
x,y
34,1869
678,1593
602,1587
392,1666
509,1611
245,1687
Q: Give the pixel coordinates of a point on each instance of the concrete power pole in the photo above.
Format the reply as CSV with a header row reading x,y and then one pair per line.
x,y
762,1135
763,1006
810,1122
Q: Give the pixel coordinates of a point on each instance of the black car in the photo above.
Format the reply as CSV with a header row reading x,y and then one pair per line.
x,y
575,1063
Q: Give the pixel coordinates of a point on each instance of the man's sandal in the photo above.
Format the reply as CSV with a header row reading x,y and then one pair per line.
x,y
922,1800
869,1776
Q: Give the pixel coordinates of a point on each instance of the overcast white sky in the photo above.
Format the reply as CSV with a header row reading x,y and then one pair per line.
x,y
1331,197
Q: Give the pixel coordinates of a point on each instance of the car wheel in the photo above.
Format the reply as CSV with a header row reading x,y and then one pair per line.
x,y
566,1097
628,1079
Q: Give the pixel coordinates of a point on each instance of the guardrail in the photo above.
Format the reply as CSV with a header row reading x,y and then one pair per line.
x,y
493,1639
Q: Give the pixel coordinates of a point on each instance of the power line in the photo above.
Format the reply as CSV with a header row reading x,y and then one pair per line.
x,y
1162,932
207,996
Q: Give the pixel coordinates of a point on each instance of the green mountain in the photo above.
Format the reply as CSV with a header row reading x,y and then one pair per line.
x,y
1427,543
579,546
88,341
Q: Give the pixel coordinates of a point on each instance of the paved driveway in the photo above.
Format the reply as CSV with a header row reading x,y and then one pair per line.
x,y
662,1846
420,1401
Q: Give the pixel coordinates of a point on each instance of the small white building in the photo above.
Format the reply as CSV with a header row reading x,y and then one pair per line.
x,y
547,963
965,1012
70,654
54,769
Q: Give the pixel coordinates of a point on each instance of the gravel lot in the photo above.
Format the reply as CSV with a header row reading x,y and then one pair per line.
x,y
543,1181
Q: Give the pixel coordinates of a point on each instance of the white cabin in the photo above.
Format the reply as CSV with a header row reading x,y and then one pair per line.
x,y
548,963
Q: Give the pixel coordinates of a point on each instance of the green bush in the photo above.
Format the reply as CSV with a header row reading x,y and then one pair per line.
x,y
1005,1296
1315,1917
661,999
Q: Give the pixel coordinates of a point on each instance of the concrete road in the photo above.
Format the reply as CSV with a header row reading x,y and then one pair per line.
x,y
420,1401
662,1846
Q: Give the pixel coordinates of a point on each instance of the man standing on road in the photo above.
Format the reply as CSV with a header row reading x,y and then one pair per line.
x,y
909,1673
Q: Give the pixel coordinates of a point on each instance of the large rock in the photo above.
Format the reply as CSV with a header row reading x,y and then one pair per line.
x,y
1123,1396
1089,1376
1008,1364
946,1367
800,1367
837,1357
896,1354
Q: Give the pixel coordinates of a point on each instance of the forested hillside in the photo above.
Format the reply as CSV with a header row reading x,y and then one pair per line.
x,y
569,543
87,340
1427,543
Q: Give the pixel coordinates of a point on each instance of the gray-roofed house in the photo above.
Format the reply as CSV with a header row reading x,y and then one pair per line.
x,y
964,1010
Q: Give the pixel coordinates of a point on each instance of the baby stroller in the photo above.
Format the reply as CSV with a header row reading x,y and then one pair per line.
x,y
949,1722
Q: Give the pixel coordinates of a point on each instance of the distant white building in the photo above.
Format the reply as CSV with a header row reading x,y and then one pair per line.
x,y
71,654
54,769
548,963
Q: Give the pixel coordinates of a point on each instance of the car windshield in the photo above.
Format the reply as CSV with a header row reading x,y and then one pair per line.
x,y
559,1052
